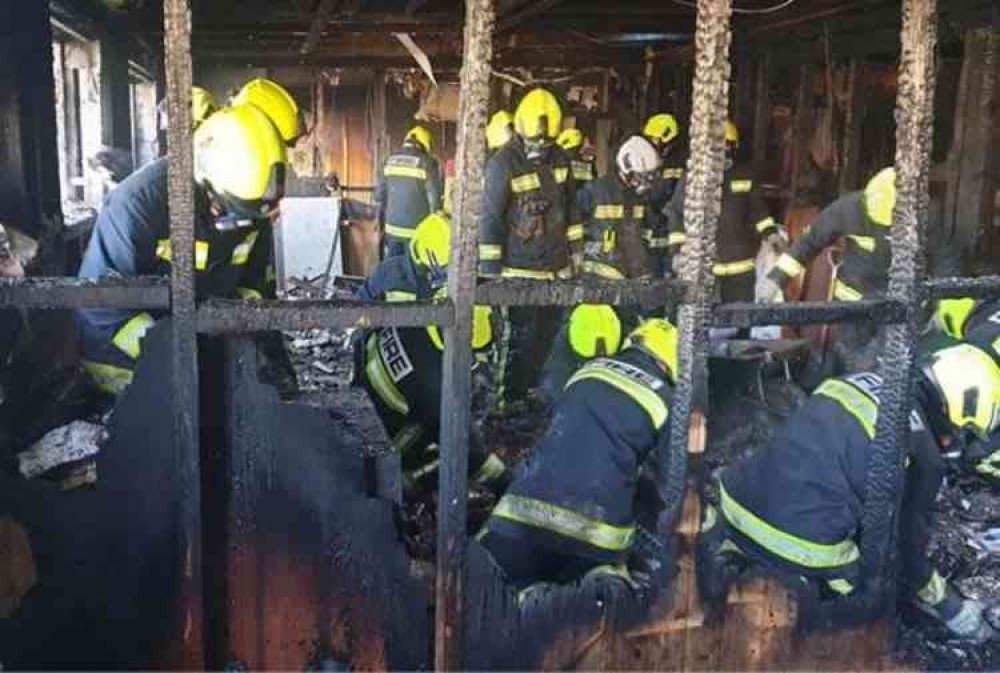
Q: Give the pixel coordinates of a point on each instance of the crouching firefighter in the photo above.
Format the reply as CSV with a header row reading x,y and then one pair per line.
x,y
400,369
234,209
796,507
572,507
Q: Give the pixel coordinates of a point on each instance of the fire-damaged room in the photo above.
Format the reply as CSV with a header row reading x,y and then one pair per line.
x,y
499,335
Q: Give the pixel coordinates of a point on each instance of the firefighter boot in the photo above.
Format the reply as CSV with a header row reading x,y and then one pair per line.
x,y
718,561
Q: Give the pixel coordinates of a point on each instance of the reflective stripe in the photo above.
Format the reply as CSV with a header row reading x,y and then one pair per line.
x,y
866,243
164,252
673,173
540,514
855,402
513,272
677,238
651,403
270,275
399,232
789,265
582,172
574,233
490,253
658,242
128,337
241,253
602,270
405,172
638,212
400,295
740,186
249,293
525,183
163,249
492,469
619,570
108,378
567,271
765,224
609,212
380,380
404,440
789,547
935,591
841,586
734,268
845,292
561,174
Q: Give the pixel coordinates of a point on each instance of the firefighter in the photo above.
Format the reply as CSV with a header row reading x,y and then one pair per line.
x,y
593,330
240,166
408,189
574,143
613,209
571,507
202,106
796,507
274,100
529,229
499,131
400,368
662,130
744,225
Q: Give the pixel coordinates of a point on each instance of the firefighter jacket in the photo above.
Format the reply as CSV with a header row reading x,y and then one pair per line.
x,y
800,501
657,229
396,279
614,218
409,188
866,259
578,487
530,226
743,223
132,238
583,167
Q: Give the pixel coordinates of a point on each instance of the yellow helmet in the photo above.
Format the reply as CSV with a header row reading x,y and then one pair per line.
x,y
482,326
274,101
968,382
570,139
880,197
661,128
952,314
732,133
658,338
538,115
594,329
500,130
240,158
422,137
202,105
430,247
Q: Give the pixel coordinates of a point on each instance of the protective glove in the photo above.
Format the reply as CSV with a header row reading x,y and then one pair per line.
x,y
768,290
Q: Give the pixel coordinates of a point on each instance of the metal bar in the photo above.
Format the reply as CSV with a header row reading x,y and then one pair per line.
x,y
229,316
740,314
985,286
452,543
518,292
42,292
702,207
177,49
914,136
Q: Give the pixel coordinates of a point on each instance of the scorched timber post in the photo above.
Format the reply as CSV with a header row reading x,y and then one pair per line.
x,y
177,47
457,374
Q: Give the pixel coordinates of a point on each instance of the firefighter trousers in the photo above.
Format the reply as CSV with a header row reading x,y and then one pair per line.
x,y
526,338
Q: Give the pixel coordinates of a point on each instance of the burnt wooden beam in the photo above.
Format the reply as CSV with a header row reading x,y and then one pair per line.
x,y
38,292
319,21
519,16
222,316
762,109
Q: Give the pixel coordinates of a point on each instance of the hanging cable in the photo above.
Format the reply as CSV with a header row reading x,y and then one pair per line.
x,y
737,10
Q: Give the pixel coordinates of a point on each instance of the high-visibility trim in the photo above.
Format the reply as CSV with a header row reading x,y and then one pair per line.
x,y
988,466
677,238
866,243
405,172
852,400
845,292
380,380
201,248
566,272
399,232
934,592
108,378
561,174
492,469
651,403
740,186
619,570
574,233
514,272
789,547
658,242
241,253
673,173
406,438
249,293
128,338
841,586
270,275
490,252
602,270
609,212
734,268
582,171
638,212
525,183
400,295
765,224
789,265
540,514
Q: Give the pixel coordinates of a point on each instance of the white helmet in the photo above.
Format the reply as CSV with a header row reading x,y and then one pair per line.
x,y
638,162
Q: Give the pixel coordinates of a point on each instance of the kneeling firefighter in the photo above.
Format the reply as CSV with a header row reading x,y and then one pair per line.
x,y
400,369
796,506
571,509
